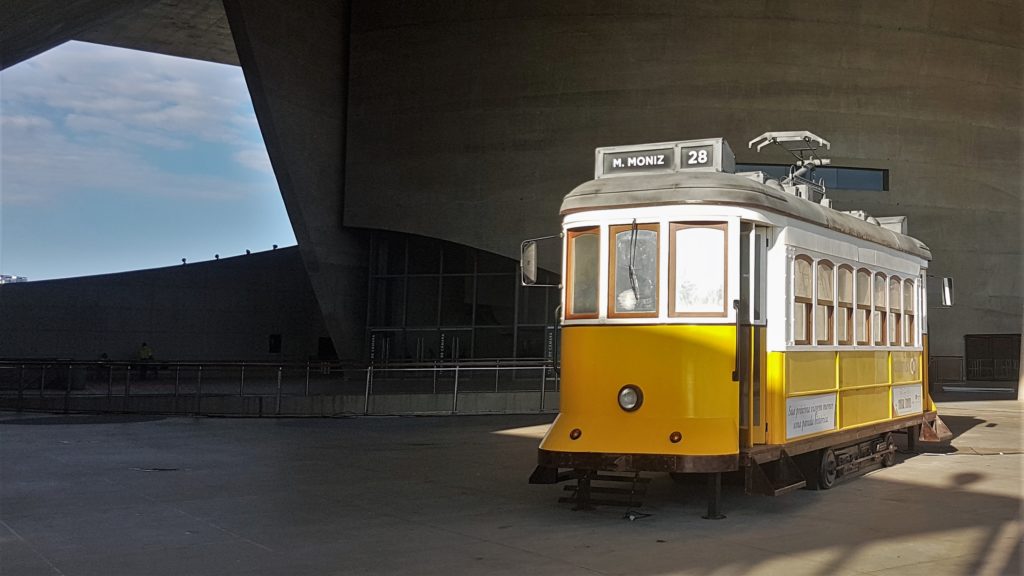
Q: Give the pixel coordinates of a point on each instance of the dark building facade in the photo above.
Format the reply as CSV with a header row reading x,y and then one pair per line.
x,y
466,122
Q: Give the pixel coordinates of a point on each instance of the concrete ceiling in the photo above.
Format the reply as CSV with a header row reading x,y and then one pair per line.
x,y
188,28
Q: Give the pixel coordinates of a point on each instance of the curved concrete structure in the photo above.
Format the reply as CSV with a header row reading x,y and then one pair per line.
x,y
207,311
470,122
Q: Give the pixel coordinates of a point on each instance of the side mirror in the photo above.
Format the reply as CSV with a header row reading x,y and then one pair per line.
x,y
528,262
947,292
528,266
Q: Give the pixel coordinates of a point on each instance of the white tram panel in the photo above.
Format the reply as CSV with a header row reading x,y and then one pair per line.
x,y
821,243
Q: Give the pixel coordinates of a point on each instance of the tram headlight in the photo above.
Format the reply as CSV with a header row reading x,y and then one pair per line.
x,y
630,397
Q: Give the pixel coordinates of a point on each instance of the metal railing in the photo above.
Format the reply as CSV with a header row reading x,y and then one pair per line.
x,y
279,389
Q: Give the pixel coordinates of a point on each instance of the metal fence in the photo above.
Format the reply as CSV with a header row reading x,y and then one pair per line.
x,y
272,389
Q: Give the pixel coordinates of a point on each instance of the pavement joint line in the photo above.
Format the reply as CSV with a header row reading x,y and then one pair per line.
x,y
31,547
486,540
208,523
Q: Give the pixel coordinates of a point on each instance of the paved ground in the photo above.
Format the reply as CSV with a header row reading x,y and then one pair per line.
x,y
112,495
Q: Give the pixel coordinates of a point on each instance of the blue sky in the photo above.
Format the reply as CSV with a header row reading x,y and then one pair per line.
x,y
115,160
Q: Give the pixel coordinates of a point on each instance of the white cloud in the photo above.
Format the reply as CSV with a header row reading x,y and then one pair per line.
x,y
255,159
111,126
39,165
27,123
84,116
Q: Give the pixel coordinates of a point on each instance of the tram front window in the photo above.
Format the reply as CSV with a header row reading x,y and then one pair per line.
x,y
583,272
635,269
697,269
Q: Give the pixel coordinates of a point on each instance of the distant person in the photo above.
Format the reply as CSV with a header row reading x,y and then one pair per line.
x,y
145,361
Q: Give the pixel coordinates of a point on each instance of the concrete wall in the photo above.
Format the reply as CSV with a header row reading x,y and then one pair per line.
x,y
32,27
220,310
470,120
187,28
295,60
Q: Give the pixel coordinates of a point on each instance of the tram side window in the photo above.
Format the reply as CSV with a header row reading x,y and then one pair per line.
x,y
803,294
697,269
844,317
824,311
583,253
634,270
909,327
878,316
895,312
862,316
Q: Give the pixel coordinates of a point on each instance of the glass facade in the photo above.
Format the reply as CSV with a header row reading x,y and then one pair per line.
x,y
436,300
834,176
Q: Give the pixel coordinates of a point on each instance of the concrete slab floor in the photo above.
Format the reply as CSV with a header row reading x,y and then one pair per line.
x,y
112,495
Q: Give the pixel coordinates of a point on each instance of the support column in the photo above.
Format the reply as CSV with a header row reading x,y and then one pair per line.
x,y
295,59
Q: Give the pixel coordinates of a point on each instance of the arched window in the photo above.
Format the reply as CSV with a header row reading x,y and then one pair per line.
x,y
824,312
909,312
895,311
803,299
844,297
878,315
862,315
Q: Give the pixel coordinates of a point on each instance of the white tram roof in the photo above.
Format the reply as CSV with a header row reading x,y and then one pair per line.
x,y
724,189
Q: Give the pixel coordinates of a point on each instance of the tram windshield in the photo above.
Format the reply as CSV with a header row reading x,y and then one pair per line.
x,y
635,265
697,270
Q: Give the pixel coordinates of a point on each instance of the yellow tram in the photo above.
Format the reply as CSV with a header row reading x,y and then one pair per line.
x,y
715,321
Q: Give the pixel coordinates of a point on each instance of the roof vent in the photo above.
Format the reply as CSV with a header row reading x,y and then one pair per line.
x,y
863,216
894,223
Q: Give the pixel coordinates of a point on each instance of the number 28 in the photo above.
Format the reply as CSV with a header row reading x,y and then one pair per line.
x,y
696,156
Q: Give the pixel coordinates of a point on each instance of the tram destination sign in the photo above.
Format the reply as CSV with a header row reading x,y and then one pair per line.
x,y
656,160
696,156
711,154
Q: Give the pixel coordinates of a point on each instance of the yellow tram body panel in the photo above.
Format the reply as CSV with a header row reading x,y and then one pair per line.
x,y
861,384
684,371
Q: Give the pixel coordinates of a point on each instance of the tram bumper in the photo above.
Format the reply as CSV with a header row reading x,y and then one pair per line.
x,y
550,461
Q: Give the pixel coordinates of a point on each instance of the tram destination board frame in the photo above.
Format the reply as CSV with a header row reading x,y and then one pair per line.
x,y
705,155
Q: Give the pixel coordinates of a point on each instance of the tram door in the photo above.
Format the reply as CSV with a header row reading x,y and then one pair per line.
x,y
751,352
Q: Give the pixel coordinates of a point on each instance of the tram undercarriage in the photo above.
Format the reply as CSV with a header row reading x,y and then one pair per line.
x,y
769,469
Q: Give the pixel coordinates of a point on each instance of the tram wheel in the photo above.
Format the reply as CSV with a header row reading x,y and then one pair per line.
x,y
827,472
890,458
